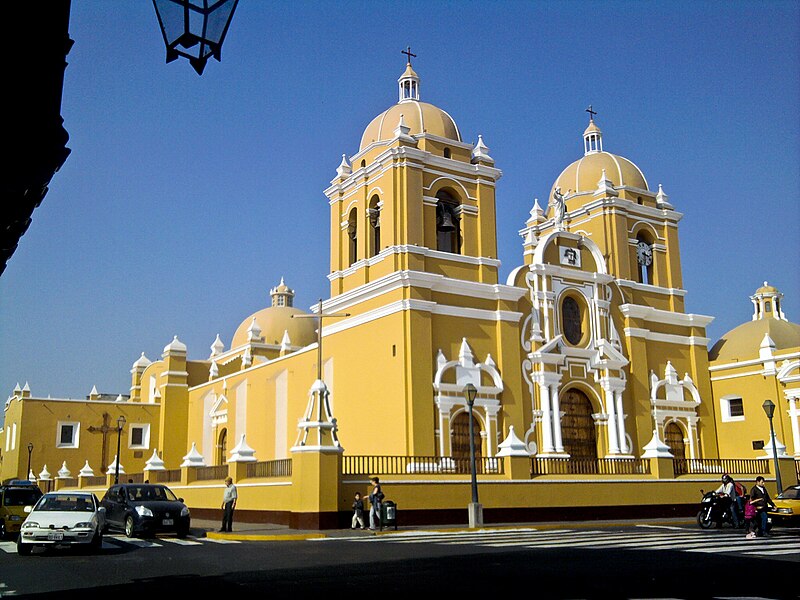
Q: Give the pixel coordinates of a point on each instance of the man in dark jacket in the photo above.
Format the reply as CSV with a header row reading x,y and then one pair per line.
x,y
759,497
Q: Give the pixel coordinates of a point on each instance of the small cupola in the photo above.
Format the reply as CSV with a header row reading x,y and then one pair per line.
x,y
409,81
592,136
767,303
282,295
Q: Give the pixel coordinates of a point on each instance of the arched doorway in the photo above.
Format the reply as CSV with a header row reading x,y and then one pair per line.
x,y
673,437
222,447
577,426
460,442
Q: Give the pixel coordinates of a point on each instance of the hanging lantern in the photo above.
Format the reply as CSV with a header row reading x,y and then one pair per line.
x,y
194,29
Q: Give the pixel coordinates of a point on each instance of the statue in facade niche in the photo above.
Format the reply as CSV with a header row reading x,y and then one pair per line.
x,y
559,208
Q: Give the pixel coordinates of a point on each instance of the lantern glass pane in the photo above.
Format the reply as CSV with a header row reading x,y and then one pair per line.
x,y
171,15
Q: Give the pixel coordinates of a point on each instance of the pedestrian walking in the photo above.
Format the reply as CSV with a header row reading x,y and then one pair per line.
x,y
375,498
358,512
759,497
749,518
229,498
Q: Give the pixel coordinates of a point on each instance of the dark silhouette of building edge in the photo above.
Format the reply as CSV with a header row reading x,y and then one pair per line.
x,y
36,142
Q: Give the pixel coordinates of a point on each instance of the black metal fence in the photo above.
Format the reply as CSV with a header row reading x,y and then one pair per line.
x,y
270,468
596,466
399,465
734,466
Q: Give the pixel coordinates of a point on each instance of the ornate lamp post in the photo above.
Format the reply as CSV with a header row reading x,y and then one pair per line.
x,y
30,450
769,408
120,425
475,509
194,29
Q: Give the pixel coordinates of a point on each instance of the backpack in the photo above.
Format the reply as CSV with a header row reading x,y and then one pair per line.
x,y
741,491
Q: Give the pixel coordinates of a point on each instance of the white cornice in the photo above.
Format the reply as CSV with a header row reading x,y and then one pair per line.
x,y
407,249
655,315
457,170
435,283
753,361
667,338
652,289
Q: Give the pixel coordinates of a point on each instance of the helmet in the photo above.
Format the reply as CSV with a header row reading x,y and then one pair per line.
x,y
726,477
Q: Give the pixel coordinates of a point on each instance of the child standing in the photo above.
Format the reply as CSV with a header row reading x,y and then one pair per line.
x,y
749,518
358,512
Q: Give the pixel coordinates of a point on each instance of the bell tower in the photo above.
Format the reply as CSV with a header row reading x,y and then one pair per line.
x,y
414,197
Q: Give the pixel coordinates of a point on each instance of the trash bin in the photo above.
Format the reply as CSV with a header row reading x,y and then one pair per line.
x,y
388,514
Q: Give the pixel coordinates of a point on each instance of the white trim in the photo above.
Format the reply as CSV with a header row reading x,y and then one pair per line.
x,y
666,317
145,427
76,434
754,361
737,375
652,289
667,338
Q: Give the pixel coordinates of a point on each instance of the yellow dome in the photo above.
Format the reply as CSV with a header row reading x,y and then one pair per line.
x,y
419,117
767,289
273,321
584,173
743,342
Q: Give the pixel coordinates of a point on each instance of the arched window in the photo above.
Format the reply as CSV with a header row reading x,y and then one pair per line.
x,y
644,259
447,152
352,232
571,320
448,234
374,214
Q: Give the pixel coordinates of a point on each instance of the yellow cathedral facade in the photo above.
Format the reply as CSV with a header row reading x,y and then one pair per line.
x,y
584,352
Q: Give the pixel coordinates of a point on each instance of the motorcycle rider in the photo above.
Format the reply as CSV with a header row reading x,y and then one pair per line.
x,y
727,491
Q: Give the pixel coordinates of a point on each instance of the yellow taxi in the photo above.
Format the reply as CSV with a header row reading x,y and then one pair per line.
x,y
14,497
787,508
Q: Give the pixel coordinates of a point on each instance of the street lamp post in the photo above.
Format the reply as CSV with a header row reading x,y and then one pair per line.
x,y
475,509
30,450
769,408
120,425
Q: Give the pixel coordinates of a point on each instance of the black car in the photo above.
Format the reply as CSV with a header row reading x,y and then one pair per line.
x,y
145,509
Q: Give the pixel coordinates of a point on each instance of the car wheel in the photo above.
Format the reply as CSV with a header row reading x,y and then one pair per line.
x,y
24,549
183,532
130,530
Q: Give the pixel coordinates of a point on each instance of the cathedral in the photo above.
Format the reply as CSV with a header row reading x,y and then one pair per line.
x,y
584,352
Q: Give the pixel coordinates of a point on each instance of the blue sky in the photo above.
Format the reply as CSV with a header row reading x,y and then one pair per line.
x,y
186,197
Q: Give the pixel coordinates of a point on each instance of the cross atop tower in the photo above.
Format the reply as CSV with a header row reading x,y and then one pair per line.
x,y
408,53
591,112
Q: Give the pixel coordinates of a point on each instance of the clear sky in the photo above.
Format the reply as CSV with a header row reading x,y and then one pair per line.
x,y
186,197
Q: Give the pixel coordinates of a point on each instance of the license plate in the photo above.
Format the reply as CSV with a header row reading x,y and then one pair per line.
x,y
55,536
167,522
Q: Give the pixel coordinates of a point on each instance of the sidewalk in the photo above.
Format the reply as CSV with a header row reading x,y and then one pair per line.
x,y
271,532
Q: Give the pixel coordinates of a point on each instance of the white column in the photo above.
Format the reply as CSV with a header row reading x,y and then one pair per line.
x,y
613,438
556,420
621,433
547,422
692,432
794,417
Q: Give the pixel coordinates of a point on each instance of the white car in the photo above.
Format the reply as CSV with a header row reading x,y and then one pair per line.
x,y
64,518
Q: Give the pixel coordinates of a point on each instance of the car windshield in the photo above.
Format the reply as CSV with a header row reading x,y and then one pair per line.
x,y
65,502
793,493
21,497
139,493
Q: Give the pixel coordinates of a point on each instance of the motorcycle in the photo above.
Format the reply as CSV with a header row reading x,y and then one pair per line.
x,y
716,510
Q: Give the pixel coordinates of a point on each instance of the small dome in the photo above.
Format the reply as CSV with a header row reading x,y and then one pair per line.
x,y
767,289
584,173
275,321
419,117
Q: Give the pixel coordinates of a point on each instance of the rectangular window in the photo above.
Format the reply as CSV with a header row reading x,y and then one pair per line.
x,y
67,434
139,437
732,408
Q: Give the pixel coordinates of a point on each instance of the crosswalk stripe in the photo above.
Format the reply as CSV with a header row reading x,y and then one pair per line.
x,y
182,541
663,538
